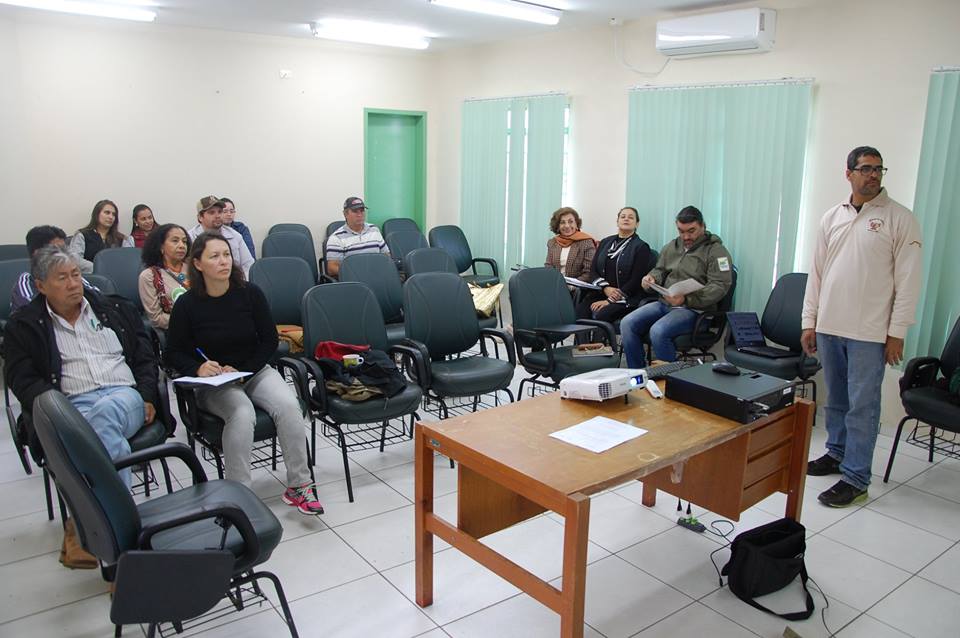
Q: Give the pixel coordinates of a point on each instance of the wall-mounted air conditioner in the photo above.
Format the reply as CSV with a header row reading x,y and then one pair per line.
x,y
740,31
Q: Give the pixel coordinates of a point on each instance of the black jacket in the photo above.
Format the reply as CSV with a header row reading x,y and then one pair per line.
x,y
32,359
633,263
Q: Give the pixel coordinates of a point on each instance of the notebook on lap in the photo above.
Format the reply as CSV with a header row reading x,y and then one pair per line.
x,y
748,337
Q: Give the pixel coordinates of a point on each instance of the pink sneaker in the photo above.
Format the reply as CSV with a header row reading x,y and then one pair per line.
x,y
304,498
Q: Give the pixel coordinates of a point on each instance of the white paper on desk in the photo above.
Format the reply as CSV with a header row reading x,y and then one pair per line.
x,y
579,283
598,434
684,287
218,379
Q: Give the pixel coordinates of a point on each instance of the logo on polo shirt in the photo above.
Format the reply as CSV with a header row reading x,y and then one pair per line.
x,y
874,224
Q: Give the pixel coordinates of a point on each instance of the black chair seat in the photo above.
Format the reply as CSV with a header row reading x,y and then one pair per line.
x,y
470,376
703,341
481,280
396,333
204,534
148,436
375,409
932,405
487,322
783,368
565,364
211,428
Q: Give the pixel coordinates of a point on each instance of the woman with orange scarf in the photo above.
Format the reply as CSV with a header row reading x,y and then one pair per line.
x,y
571,250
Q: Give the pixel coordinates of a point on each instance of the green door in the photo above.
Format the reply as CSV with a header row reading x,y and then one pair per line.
x,y
395,177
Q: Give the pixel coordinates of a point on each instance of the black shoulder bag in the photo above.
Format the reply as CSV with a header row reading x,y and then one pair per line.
x,y
767,559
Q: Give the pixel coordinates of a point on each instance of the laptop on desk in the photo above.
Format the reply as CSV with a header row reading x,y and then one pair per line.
x,y
748,337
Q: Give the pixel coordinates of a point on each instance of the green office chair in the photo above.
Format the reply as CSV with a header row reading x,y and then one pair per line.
x,y
452,240
348,312
539,299
441,321
171,558
399,223
378,272
288,243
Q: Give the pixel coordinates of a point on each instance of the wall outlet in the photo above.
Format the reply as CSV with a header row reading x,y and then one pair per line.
x,y
616,22
286,74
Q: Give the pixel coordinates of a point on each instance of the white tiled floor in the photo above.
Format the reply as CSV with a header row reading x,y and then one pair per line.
x,y
890,568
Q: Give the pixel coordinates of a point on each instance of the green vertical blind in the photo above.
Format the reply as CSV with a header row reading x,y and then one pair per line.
x,y
937,207
737,153
511,175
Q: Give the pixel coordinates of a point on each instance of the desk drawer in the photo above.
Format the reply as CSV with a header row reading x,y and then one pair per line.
x,y
765,464
770,435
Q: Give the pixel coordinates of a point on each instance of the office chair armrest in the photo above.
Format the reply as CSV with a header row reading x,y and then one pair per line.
x,y
426,370
229,512
414,359
607,328
164,451
534,340
504,336
486,260
298,371
315,374
920,371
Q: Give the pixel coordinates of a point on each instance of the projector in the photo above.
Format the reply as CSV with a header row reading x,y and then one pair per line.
x,y
602,384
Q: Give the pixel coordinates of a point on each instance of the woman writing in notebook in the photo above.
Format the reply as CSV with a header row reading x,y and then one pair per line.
x,y
223,324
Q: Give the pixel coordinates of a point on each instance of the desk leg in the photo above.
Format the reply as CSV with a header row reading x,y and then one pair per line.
x,y
797,475
423,540
576,528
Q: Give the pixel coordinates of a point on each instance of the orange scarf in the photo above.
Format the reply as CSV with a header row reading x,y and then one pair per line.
x,y
564,242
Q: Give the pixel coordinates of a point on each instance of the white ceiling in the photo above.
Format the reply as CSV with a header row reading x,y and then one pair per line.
x,y
448,26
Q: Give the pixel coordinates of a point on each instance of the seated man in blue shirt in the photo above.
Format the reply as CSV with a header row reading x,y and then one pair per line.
x,y
37,237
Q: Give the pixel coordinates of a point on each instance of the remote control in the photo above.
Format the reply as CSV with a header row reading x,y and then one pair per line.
x,y
654,390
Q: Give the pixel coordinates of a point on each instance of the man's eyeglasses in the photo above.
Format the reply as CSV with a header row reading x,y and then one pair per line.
x,y
867,169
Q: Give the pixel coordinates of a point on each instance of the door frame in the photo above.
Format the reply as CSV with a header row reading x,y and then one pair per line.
x,y
420,196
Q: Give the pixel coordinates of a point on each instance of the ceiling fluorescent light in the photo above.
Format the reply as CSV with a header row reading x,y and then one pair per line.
x,y
388,35
97,9
517,10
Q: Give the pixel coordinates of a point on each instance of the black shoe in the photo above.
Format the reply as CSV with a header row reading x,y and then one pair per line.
x,y
823,466
841,495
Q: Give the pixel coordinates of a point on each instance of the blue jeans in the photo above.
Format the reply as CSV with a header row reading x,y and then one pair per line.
x,y
663,322
115,413
853,371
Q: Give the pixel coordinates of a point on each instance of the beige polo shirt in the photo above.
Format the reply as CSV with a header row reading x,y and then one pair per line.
x,y
865,280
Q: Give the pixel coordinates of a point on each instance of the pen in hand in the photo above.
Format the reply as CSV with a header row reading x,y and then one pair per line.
x,y
212,366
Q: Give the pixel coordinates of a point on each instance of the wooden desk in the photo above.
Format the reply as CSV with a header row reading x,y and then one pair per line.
x,y
511,470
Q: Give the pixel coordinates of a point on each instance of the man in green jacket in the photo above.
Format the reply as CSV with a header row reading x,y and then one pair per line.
x,y
694,254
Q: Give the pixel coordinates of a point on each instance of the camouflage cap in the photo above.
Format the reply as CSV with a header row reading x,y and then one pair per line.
x,y
208,202
354,203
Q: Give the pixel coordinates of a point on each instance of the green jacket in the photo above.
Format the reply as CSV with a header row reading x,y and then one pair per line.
x,y
707,261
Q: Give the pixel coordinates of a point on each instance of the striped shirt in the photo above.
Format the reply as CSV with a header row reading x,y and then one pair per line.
x,y
345,242
90,352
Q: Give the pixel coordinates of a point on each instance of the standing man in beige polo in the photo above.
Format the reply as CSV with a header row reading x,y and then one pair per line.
x,y
861,297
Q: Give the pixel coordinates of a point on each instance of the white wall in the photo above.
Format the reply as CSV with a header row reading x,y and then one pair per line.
x,y
871,63
142,113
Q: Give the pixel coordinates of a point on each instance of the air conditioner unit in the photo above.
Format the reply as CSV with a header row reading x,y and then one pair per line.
x,y
740,31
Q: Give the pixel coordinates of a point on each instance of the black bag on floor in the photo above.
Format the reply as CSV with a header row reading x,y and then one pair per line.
x,y
767,559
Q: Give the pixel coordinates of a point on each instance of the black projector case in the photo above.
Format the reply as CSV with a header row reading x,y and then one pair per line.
x,y
739,398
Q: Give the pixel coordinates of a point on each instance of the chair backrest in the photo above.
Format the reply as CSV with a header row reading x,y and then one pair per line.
x,y
286,243
950,357
102,505
424,260
781,317
398,223
402,242
16,251
122,266
452,240
347,312
379,273
10,270
332,228
102,283
303,229
438,311
726,304
539,297
284,281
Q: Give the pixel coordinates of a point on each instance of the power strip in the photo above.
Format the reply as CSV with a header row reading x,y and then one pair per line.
x,y
692,524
